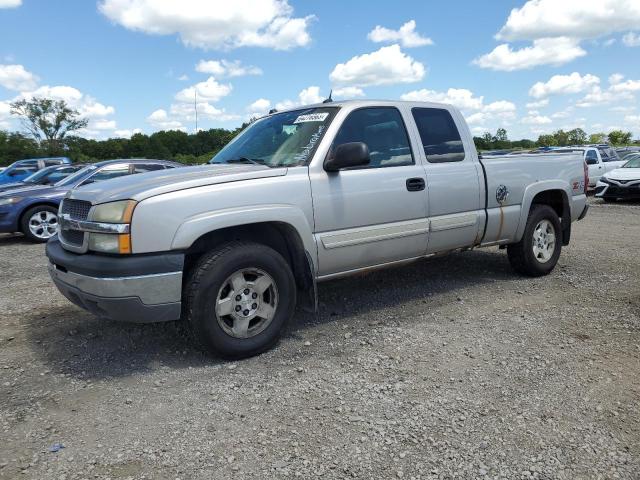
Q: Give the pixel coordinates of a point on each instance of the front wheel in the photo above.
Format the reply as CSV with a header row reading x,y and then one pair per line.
x,y
239,299
40,223
537,253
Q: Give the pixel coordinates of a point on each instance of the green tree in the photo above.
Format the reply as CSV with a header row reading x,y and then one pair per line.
x,y
618,137
547,141
577,136
48,121
15,146
597,137
561,138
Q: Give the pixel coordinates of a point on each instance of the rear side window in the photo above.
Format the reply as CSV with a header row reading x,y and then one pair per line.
x,y
382,129
439,135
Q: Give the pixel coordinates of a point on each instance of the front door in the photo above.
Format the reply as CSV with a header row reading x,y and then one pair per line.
x,y
376,214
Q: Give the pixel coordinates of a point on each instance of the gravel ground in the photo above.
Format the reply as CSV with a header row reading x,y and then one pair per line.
x,y
449,368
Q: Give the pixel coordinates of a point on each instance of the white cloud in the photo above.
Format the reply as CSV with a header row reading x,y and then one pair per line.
x,y
460,97
160,119
631,39
564,84
91,108
260,106
214,25
386,66
536,120
209,90
627,86
347,92
104,124
185,112
501,106
226,68
544,51
126,133
10,3
310,95
572,18
16,77
539,104
615,78
306,96
406,35
556,29
183,77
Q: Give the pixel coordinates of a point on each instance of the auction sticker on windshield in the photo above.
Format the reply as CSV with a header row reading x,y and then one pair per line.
x,y
312,117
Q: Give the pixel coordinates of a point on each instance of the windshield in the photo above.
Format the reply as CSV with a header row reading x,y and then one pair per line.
x,y
283,139
40,176
79,175
633,163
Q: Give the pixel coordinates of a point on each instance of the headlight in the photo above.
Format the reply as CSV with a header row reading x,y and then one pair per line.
x,y
9,201
114,212
106,242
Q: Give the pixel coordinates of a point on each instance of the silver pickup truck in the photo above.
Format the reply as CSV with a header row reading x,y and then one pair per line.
x,y
302,196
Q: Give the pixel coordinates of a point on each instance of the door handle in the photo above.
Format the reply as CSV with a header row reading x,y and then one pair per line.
x,y
415,184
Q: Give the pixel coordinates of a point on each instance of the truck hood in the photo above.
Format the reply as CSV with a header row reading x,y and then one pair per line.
x,y
624,174
141,186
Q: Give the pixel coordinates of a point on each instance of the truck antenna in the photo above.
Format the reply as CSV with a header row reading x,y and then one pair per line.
x,y
328,100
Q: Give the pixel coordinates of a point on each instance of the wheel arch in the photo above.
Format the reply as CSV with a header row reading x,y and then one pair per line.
x,y
281,236
553,193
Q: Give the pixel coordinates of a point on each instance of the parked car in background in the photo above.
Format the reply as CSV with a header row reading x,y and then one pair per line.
x,y
46,176
600,160
33,210
302,196
622,151
628,156
621,183
23,168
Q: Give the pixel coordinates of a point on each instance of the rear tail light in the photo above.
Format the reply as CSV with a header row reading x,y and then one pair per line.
x,y
586,177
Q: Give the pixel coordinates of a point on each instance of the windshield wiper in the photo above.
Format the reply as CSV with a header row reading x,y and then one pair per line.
x,y
254,161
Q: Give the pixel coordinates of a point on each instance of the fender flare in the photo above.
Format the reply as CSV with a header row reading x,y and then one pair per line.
x,y
534,189
196,226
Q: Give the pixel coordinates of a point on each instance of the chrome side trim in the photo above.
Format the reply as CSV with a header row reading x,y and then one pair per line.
x,y
376,233
67,223
456,220
150,289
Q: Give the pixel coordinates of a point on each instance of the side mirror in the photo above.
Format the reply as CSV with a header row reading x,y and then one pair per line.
x,y
346,155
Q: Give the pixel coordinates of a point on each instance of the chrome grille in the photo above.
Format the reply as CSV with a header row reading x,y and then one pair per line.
x,y
76,209
72,237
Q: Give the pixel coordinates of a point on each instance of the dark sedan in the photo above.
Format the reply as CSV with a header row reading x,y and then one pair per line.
x,y
33,209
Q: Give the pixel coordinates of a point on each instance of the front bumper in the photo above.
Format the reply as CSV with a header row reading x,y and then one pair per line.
x,y
615,191
132,288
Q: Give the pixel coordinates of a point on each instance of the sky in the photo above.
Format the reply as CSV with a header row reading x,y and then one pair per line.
x,y
129,66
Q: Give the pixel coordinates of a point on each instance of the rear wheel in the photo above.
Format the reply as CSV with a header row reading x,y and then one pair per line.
x,y
239,299
40,223
538,251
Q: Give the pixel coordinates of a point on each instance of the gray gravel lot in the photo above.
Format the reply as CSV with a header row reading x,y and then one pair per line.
x,y
448,368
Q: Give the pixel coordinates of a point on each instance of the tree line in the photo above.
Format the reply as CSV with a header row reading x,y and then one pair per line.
x,y
50,128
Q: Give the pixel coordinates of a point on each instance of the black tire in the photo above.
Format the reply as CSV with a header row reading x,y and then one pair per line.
x,y
210,274
521,255
24,222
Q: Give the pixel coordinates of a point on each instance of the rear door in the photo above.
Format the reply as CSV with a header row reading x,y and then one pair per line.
x,y
374,214
453,181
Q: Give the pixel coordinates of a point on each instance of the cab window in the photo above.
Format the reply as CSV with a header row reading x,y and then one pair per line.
x,y
383,130
439,135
